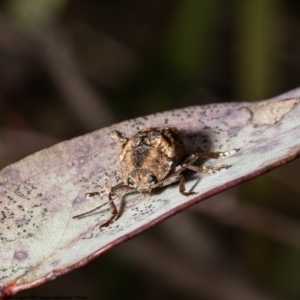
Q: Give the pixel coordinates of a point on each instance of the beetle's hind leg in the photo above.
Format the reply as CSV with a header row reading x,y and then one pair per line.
x,y
216,154
208,169
118,136
189,162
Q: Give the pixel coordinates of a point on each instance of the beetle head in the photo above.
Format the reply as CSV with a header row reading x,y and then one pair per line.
x,y
143,180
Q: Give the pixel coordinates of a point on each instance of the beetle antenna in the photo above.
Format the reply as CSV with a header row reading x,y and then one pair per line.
x,y
92,210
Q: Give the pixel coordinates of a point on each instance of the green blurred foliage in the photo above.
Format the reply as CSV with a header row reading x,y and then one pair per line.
x,y
259,34
34,15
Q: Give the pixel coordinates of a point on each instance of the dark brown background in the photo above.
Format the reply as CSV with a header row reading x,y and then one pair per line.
x,y
70,67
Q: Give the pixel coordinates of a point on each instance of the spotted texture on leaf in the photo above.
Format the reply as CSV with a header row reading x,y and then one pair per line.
x,y
40,194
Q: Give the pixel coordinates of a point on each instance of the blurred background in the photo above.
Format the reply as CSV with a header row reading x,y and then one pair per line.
x,y
71,67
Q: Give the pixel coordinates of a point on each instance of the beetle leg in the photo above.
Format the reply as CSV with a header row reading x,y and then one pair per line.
x,y
176,177
169,180
114,213
182,187
216,154
116,192
207,169
189,161
118,136
188,164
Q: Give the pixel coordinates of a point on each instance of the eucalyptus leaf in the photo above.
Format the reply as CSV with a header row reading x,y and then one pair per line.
x,y
39,195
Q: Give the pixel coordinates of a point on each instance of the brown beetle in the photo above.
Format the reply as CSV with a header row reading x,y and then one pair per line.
x,y
152,158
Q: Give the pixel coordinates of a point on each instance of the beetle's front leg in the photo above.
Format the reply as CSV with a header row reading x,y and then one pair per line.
x,y
114,213
116,192
174,178
182,187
